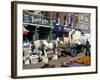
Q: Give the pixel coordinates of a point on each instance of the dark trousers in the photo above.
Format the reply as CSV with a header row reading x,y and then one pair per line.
x,y
87,52
42,52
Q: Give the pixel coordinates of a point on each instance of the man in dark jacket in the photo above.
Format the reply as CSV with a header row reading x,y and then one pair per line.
x,y
87,48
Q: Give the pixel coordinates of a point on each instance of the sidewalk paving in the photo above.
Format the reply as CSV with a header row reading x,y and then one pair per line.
x,y
58,63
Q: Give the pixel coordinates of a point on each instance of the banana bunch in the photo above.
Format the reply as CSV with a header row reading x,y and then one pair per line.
x,y
83,60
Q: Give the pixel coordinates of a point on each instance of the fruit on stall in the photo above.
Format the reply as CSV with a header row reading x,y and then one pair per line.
x,y
83,60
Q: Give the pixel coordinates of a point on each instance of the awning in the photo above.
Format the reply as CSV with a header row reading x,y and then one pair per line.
x,y
25,31
58,28
67,29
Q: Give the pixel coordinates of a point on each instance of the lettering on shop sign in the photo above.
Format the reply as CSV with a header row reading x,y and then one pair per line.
x,y
27,19
37,20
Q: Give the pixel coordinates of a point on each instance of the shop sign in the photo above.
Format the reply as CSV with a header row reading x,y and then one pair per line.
x,y
37,20
27,19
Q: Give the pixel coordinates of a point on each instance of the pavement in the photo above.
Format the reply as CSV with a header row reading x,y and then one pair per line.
x,y
53,63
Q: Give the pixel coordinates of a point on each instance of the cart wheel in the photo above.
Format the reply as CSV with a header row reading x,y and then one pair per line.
x,y
73,52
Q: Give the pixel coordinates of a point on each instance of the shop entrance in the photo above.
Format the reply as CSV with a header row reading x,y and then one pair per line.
x,y
44,33
30,35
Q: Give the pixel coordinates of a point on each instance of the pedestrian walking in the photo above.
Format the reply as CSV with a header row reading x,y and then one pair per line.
x,y
42,47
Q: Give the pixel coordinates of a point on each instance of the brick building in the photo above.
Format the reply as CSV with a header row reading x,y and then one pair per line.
x,y
73,20
40,23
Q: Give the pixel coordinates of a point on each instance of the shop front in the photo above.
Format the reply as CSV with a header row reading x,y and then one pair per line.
x,y
39,27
